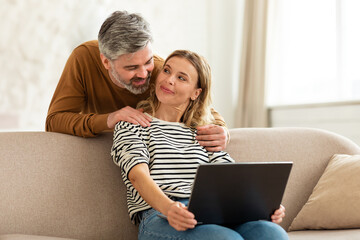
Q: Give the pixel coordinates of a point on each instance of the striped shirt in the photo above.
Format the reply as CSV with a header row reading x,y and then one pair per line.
x,y
171,152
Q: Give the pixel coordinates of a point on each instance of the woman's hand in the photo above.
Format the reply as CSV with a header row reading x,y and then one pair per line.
x,y
180,218
278,215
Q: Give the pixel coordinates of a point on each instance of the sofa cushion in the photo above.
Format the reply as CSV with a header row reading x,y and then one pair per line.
x,y
349,234
29,237
334,203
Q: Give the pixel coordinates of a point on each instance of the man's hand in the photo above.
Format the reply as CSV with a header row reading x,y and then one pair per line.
x,y
180,218
130,115
212,137
278,215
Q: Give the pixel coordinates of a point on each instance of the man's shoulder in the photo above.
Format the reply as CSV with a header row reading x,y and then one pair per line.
x,y
87,52
159,59
89,44
158,64
91,47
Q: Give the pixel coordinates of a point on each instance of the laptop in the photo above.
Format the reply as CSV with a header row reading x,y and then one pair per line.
x,y
235,193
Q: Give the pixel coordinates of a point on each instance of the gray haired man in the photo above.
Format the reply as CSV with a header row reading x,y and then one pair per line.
x,y
103,81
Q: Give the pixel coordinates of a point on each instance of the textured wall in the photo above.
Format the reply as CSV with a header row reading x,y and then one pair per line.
x,y
37,37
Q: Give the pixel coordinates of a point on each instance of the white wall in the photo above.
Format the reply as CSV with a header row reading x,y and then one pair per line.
x,y
38,36
342,118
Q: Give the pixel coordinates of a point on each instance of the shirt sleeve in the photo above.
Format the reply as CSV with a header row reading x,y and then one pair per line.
x,y
64,114
220,157
219,120
128,148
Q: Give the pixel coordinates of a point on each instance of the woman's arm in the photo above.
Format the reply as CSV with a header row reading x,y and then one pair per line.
x,y
130,153
177,214
220,157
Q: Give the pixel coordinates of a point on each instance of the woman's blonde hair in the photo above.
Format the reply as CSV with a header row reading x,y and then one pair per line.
x,y
198,111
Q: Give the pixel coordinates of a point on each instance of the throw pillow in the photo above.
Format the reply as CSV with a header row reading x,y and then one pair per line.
x,y
335,200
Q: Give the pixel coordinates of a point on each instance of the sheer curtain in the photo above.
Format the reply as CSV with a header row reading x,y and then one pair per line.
x,y
251,110
313,52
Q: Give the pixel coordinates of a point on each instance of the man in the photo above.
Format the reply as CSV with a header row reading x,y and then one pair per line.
x,y
103,81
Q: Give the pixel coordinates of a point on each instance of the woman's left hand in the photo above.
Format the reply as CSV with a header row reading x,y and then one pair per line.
x,y
278,215
180,218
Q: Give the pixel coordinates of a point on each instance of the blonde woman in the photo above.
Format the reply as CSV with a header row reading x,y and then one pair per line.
x,y
158,163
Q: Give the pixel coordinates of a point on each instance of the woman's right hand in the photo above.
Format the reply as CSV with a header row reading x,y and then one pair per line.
x,y
179,217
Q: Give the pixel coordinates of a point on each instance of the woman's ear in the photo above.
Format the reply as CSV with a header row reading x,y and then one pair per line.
x,y
196,94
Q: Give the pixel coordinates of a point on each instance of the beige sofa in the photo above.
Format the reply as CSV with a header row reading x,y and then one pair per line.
x,y
67,187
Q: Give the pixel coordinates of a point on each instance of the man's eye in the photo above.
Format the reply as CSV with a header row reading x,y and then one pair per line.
x,y
131,68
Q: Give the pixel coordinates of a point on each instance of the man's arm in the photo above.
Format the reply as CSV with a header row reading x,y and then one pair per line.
x,y
214,137
219,120
68,101
84,125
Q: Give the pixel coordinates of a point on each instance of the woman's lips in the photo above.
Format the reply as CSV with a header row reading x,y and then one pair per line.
x,y
166,90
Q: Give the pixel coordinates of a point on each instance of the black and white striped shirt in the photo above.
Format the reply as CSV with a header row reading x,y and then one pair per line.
x,y
171,152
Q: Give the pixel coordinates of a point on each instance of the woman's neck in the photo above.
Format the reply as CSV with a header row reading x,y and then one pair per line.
x,y
170,113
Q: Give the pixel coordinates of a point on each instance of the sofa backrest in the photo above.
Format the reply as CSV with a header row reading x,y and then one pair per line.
x,y
65,186
59,185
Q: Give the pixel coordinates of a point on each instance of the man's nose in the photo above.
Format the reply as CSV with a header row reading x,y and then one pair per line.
x,y
142,72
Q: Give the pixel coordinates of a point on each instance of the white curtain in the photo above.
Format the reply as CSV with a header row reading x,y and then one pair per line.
x,y
251,110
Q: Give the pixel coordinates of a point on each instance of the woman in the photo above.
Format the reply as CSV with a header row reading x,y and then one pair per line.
x,y
158,163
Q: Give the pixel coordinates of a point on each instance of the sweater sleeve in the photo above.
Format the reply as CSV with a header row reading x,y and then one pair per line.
x,y
219,120
128,148
64,113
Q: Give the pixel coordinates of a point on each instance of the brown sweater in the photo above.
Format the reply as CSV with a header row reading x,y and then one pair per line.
x,y
85,94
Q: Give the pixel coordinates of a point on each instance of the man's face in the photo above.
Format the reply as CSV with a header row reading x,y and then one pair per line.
x,y
133,70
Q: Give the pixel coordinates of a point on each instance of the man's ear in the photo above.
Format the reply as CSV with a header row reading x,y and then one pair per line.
x,y
196,94
105,61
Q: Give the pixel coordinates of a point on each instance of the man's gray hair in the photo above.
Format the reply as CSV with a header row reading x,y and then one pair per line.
x,y
123,33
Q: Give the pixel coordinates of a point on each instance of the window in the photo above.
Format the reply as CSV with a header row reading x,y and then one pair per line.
x,y
313,51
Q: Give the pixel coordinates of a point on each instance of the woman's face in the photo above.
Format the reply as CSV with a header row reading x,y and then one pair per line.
x,y
177,83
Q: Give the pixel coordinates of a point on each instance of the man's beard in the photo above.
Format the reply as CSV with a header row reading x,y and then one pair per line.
x,y
129,86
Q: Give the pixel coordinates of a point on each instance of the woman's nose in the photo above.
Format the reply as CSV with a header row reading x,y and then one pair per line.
x,y
171,80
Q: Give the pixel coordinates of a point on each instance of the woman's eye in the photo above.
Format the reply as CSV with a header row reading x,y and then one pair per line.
x,y
182,79
166,70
